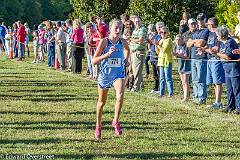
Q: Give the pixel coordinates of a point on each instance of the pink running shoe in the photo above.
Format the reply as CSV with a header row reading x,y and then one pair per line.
x,y
98,132
117,127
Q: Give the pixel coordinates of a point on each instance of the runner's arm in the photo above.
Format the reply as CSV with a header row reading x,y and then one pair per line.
x,y
97,58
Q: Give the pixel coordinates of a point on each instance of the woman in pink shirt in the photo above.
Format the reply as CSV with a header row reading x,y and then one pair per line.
x,y
41,35
78,46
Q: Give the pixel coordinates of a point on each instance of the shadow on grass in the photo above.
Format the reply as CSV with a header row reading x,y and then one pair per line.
x,y
46,113
48,97
11,76
33,83
55,125
33,90
161,155
21,73
30,141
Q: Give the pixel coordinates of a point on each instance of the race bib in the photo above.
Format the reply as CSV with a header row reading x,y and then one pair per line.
x,y
114,62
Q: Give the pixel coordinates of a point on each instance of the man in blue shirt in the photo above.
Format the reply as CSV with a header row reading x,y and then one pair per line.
x,y
215,72
231,67
154,38
199,63
2,36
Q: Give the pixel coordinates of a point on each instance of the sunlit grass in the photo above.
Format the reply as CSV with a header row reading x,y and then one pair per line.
x,y
49,112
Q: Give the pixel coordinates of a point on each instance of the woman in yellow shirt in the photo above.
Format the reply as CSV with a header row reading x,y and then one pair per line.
x,y
165,59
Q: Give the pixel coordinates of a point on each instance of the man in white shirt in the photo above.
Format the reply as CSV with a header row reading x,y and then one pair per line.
x,y
61,45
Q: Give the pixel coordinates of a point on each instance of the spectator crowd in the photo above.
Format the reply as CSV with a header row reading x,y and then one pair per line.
x,y
207,53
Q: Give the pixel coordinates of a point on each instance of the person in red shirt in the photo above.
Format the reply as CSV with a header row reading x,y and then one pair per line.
x,y
21,36
101,32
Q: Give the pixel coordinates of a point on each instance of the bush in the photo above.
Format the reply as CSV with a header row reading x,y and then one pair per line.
x,y
226,11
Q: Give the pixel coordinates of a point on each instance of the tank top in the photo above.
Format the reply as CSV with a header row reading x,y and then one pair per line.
x,y
112,67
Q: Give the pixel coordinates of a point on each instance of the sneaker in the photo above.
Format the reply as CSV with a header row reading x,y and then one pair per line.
x,y
133,90
237,112
215,106
228,110
152,92
19,59
98,132
157,92
129,89
90,77
117,128
200,102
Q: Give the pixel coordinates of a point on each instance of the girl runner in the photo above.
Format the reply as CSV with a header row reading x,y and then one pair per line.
x,y
112,54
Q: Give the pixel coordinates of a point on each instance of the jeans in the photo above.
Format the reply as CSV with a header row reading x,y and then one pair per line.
x,y
147,58
15,48
233,92
21,50
51,55
199,73
155,76
90,64
166,76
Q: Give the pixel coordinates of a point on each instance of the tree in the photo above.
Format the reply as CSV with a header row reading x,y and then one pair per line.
x,y
61,9
35,11
169,11
11,11
83,9
28,15
226,11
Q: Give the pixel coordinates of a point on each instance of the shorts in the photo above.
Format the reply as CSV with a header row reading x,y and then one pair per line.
x,y
105,83
215,72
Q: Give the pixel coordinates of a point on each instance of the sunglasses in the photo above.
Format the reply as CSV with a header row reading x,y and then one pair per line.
x,y
163,32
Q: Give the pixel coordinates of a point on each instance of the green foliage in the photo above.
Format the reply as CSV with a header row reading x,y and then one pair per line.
x,y
56,9
169,11
28,14
35,11
10,11
83,9
226,11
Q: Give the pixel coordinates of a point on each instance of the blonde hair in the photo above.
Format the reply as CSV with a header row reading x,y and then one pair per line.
x,y
77,23
114,21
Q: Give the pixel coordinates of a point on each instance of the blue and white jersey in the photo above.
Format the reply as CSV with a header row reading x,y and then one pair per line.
x,y
112,68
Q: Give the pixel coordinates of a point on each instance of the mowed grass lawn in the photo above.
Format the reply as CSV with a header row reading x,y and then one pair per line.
x,y
48,112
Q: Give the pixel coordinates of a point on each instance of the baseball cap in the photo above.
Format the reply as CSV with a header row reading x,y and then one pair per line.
x,y
191,20
201,16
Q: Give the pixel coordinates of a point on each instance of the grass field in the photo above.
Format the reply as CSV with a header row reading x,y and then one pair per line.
x,y
48,112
